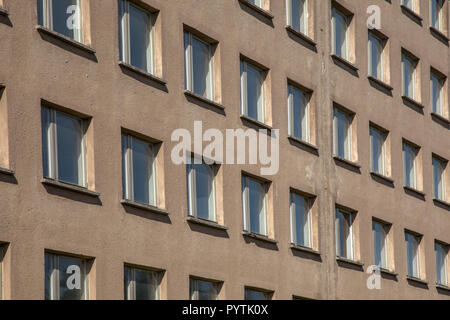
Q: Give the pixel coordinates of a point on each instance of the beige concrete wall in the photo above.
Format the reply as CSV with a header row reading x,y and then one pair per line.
x,y
34,218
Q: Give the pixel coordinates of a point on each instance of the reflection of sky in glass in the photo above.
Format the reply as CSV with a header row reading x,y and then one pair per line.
x,y
256,206
200,57
139,38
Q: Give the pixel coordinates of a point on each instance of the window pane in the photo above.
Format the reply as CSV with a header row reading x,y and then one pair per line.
x,y
62,16
49,294
146,285
379,234
141,171
254,93
375,57
412,255
342,134
70,286
438,179
140,39
256,295
299,115
201,68
344,243
377,150
436,94
441,264
204,191
409,155
256,205
203,290
299,15
408,77
302,220
69,149
340,34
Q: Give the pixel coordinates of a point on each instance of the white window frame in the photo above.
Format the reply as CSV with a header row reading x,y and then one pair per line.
x,y
380,45
383,150
307,242
192,190
306,110
349,241
128,174
55,279
47,18
52,149
131,289
246,206
334,12
244,90
189,65
349,137
125,45
304,23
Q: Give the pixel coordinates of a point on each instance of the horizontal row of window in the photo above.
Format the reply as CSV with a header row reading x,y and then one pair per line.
x,y
67,276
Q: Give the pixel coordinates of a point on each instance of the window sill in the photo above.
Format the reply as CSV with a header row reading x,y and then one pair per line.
x,y
303,143
442,287
66,39
258,237
442,203
417,280
259,10
345,62
381,83
7,172
415,191
204,100
349,261
415,103
297,247
257,123
440,118
301,35
382,176
388,272
347,162
206,223
145,207
412,13
142,73
70,187
439,34
4,12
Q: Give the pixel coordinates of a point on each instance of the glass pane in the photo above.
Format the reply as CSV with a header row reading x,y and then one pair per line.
x,y
342,130
69,149
141,171
256,205
201,68
71,278
48,276
63,15
302,221
408,77
45,118
255,295
140,39
409,158
40,12
127,280
254,93
412,255
298,15
340,34
375,57
205,290
299,114
204,191
146,285
377,150
379,234
438,181
436,91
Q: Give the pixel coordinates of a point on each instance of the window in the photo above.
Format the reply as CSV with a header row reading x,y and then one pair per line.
x,y
258,3
254,205
300,212
437,83
441,263
409,78
138,170
136,36
252,91
410,165
201,190
412,256
376,57
254,294
62,16
203,289
410,4
297,15
342,134
380,239
344,234
66,278
63,147
198,63
439,179
140,284
340,23
377,151
298,111
436,14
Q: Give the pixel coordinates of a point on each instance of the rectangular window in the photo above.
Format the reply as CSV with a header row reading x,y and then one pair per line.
x,y
136,36
203,289
344,234
380,232
140,284
66,278
436,14
62,16
138,170
252,91
253,294
201,190
258,3
413,254
63,147
254,205
298,111
300,213
409,76
198,66
340,24
342,134
411,4
439,179
441,251
297,15
410,165
375,53
377,151
437,93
